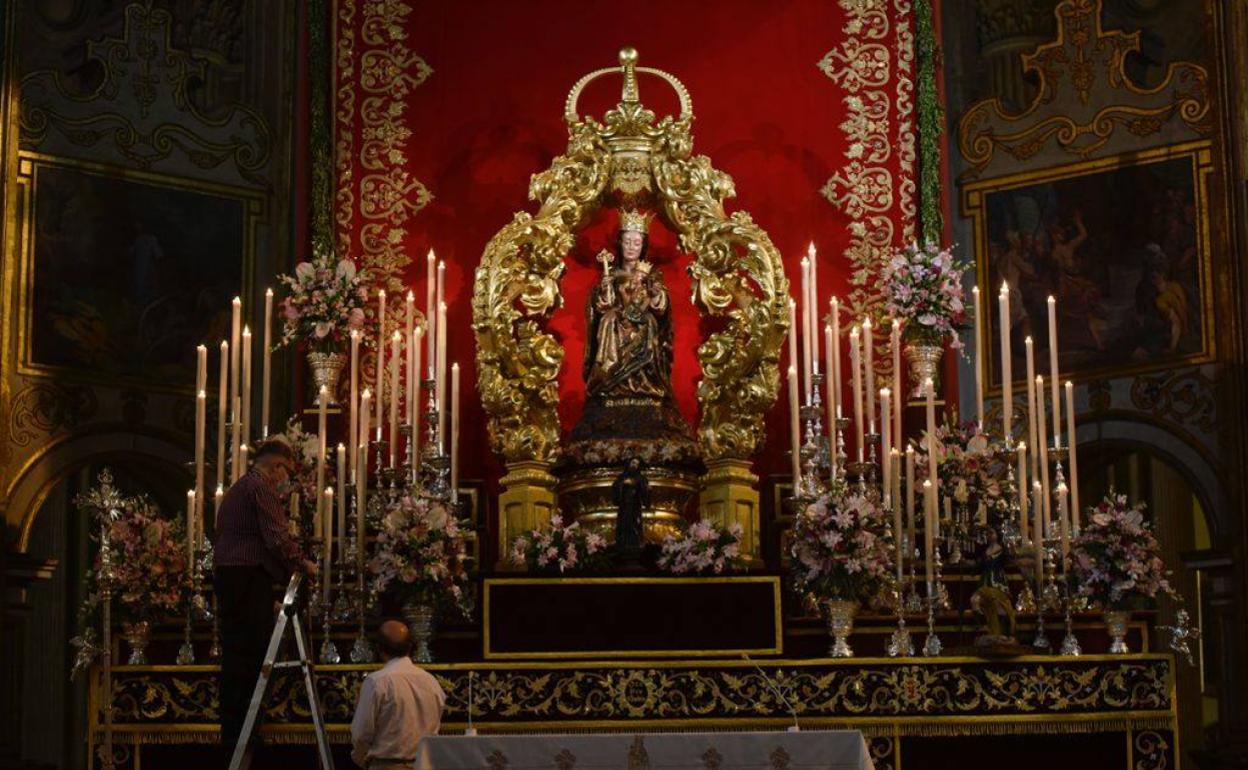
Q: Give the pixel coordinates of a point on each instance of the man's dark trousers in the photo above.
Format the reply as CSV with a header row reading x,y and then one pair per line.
x,y
245,610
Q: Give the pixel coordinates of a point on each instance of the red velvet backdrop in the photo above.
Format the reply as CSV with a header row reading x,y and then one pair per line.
x,y
443,111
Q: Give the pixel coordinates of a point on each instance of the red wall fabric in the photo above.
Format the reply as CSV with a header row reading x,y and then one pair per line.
x,y
489,115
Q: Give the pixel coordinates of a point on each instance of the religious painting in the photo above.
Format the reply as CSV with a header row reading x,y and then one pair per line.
x,y
1120,243
126,273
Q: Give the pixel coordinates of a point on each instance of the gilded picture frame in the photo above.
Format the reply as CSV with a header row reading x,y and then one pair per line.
x,y
179,248
1122,243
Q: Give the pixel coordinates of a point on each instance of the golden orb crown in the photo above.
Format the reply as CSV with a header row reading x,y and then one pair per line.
x,y
635,221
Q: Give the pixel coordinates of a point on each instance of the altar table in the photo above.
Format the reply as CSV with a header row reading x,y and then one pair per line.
x,y
823,749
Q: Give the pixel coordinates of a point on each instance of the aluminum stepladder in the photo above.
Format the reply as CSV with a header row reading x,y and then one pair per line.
x,y
288,615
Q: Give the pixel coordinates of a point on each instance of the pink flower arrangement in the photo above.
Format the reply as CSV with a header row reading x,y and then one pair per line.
x,y
1116,560
838,549
303,480
325,302
967,466
147,560
923,286
420,552
703,549
560,549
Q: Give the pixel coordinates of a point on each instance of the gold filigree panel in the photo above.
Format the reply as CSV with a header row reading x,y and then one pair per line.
x,y
1085,95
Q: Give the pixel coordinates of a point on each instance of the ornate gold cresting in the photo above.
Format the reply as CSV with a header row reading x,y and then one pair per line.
x,y
736,271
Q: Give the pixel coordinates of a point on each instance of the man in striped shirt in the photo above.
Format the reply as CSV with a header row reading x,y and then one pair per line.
x,y
252,549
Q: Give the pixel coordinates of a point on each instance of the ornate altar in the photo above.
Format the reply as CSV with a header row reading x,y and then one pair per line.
x,y
643,166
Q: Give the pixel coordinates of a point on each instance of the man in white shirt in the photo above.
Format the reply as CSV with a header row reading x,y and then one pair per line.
x,y
399,705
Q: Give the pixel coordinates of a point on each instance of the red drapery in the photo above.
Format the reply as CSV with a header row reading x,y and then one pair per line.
x,y
443,111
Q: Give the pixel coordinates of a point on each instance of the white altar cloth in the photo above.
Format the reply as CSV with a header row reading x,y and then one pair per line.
x,y
823,749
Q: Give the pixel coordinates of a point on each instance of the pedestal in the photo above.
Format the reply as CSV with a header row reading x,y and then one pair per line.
x,y
526,504
730,495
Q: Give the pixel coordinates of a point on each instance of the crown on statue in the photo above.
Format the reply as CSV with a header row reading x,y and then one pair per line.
x,y
635,221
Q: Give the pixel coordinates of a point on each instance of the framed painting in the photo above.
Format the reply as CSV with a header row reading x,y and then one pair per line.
x,y
1121,243
124,273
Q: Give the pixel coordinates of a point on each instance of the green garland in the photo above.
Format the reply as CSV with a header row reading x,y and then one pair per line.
x,y
931,224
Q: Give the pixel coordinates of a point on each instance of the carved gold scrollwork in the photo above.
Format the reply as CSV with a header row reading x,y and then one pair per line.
x,y
44,408
1083,59
736,274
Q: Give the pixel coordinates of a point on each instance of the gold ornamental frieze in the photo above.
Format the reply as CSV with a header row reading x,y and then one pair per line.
x,y
631,158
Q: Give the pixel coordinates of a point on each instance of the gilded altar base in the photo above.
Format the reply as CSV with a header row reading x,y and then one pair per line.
x,y
526,503
729,496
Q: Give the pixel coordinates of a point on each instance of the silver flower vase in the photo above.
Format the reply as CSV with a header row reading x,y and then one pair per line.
x,y
137,635
924,356
840,626
326,370
1116,624
419,617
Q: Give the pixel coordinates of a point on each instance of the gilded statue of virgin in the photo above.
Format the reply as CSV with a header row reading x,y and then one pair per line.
x,y
629,342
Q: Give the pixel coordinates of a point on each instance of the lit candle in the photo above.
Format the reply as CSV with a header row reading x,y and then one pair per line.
x,y
910,527
327,505
322,405
201,410
834,360
361,504
409,370
899,534
813,303
217,497
794,431
455,433
223,405
868,346
1041,531
1007,364
441,384
929,393
415,343
1032,424
201,368
794,333
1055,400
1021,475
831,398
899,394
979,358
246,415
395,362
1071,446
266,374
353,423
381,361
886,446
190,531
855,373
431,307
366,398
806,328
236,328
341,472
1041,430
1063,521
929,530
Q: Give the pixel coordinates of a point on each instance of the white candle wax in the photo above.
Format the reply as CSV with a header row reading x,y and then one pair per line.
x,y
380,390
415,342
409,366
886,446
246,415
353,422
395,362
868,347
794,333
366,399
1007,366
1032,424
1054,399
431,306
340,470
455,433
834,362
201,438
794,430
979,357
1040,533
190,531
236,328
1072,452
441,384
327,506
830,401
929,530
813,302
322,415
266,374
1021,479
1041,431
855,372
806,329
910,525
236,443
899,395
223,406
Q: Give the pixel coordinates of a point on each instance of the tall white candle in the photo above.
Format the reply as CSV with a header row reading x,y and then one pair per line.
x,y
431,306
327,507
455,433
899,395
380,391
979,357
806,329
441,385
1063,515
899,534
266,375
1032,423
1023,486
1042,431
813,302
910,526
366,399
794,430
236,443
191,533
855,373
886,446
201,368
1072,445
340,471
361,505
1007,366
1054,399
201,438
247,346
223,406
794,333
834,361
353,422
395,362
929,532
415,342
236,328
1037,505
409,368
868,347
322,414
929,393
830,400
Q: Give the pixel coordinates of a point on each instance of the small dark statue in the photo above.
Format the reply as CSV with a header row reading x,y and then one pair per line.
x,y
631,494
992,599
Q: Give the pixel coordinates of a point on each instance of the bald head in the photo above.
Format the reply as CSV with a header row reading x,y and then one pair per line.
x,y
394,640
